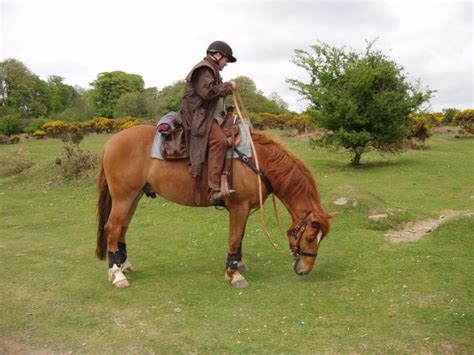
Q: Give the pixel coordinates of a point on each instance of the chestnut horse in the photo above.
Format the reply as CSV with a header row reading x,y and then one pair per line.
x,y
128,171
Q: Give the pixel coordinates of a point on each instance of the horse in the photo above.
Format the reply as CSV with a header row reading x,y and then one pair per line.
x,y
128,172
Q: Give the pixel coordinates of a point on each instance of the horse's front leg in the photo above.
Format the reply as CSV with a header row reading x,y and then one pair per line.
x,y
238,215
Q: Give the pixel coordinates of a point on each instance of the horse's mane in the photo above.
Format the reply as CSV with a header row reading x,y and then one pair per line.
x,y
291,177
286,170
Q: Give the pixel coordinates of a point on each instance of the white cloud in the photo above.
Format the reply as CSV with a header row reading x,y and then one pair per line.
x,y
162,40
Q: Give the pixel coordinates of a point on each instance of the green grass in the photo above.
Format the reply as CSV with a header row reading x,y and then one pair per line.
x,y
364,295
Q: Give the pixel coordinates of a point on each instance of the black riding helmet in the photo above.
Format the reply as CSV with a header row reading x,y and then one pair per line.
x,y
223,48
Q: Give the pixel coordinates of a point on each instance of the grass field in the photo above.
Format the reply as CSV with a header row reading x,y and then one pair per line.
x,y
365,293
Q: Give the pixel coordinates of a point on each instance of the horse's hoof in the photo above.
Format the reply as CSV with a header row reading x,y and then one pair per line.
x,y
236,280
240,283
117,277
242,267
122,284
127,267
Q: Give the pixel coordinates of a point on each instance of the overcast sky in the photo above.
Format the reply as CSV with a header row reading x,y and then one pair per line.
x,y
162,40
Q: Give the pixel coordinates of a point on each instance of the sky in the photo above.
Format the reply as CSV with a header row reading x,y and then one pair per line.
x,y
162,40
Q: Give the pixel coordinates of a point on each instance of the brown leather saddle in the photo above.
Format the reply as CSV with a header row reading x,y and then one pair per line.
x,y
174,144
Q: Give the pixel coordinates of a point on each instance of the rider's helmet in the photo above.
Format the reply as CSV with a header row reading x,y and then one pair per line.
x,y
223,48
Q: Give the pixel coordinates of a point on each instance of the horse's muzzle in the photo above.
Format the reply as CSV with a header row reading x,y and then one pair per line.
x,y
299,268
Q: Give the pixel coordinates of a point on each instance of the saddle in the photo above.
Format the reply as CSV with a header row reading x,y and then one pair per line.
x,y
174,144
231,129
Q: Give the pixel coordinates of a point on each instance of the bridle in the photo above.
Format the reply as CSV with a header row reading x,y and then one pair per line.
x,y
297,232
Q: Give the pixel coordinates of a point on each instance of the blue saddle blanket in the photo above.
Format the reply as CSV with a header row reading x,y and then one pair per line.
x,y
243,146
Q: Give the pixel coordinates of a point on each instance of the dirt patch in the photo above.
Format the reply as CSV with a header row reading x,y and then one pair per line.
x,y
414,231
10,347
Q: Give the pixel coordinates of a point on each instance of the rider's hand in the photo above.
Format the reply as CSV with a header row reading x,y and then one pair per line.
x,y
234,85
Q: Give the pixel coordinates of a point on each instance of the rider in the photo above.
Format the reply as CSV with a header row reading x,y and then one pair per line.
x,y
202,113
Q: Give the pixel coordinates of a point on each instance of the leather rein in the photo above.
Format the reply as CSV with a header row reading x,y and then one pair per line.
x,y
297,231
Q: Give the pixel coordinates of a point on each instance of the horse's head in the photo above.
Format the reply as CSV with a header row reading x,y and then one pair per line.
x,y
304,239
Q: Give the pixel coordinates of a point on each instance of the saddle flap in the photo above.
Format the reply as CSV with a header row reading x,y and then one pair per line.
x,y
231,130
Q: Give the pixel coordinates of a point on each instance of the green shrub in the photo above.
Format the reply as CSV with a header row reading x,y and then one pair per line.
x,y
11,124
35,125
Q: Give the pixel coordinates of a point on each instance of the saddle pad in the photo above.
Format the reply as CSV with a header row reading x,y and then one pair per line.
x,y
243,146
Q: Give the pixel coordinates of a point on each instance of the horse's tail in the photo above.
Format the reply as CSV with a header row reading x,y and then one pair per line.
x,y
104,205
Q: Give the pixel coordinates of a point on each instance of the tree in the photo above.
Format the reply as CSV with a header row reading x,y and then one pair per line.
x,y
109,86
169,98
22,89
275,98
449,114
138,104
362,99
60,95
254,100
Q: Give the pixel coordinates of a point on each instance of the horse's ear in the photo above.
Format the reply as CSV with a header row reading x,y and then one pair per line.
x,y
331,214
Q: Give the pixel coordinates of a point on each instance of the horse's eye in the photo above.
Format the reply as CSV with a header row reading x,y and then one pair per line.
x,y
310,238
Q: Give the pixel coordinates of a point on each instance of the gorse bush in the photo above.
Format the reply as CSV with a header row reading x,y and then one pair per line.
x,y
465,119
419,126
75,131
286,121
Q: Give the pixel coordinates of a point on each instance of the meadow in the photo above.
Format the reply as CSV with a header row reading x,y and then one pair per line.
x,y
365,294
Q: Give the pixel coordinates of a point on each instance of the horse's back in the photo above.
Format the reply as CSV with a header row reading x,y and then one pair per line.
x,y
126,156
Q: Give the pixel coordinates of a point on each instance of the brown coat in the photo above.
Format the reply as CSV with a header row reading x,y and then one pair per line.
x,y
203,88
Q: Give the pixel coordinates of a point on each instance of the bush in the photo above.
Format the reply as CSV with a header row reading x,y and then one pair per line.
x,y
286,121
4,139
100,125
419,127
54,129
76,162
127,122
35,125
11,124
39,134
465,119
14,140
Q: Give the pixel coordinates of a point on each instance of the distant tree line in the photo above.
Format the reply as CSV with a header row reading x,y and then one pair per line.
x,y
27,102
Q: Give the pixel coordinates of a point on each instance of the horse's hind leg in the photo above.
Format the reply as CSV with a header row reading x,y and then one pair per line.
x,y
115,229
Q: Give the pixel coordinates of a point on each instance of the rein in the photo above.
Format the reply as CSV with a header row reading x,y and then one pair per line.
x,y
295,232
261,176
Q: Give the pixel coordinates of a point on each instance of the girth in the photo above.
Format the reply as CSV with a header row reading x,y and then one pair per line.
x,y
253,167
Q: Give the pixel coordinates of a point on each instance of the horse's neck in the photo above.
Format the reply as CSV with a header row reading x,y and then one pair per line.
x,y
296,207
291,187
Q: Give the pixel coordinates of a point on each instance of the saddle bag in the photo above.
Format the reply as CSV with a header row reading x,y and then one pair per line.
x,y
173,145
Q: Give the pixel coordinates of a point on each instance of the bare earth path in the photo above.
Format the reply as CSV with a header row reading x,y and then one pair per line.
x,y
414,231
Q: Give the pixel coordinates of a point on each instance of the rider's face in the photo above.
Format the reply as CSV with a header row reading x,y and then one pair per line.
x,y
223,62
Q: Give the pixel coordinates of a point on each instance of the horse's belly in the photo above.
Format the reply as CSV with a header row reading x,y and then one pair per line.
x,y
172,181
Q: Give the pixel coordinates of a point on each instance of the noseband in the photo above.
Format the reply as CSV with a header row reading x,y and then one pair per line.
x,y
297,232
